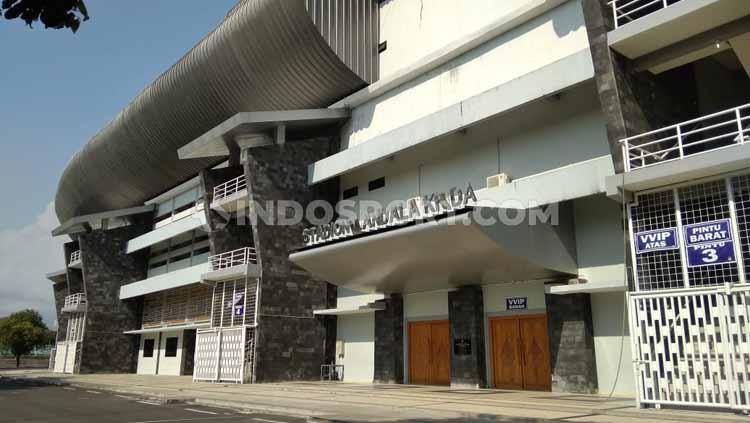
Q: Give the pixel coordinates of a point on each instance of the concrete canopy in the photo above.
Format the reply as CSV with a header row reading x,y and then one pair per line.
x,y
447,253
266,55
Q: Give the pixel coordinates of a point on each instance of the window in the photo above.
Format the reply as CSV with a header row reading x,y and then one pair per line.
x,y
351,192
148,348
170,349
376,184
179,252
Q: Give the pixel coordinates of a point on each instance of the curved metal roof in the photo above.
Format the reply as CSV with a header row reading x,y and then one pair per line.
x,y
266,55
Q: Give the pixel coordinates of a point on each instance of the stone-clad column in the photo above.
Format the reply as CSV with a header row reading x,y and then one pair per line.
x,y
227,232
106,267
468,360
75,277
60,290
389,341
633,102
291,340
571,338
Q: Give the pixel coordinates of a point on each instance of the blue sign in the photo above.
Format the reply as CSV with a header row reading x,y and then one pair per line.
x,y
239,310
516,303
658,240
709,243
239,304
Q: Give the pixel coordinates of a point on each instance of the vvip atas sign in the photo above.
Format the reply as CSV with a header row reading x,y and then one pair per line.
x,y
709,243
658,240
405,212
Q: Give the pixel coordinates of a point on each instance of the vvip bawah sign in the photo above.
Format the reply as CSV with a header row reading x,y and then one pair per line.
x,y
709,243
517,303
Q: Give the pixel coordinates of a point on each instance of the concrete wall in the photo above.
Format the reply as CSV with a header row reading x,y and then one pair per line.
x,y
609,323
599,239
357,333
495,295
535,139
426,306
529,47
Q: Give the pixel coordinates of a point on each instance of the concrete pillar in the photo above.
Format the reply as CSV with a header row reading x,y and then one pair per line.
x,y
389,341
571,338
468,359
60,290
106,267
291,340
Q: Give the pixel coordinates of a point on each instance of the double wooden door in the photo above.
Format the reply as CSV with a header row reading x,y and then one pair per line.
x,y
429,353
520,353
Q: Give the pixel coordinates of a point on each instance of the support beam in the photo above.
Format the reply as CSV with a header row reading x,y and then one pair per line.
x,y
741,46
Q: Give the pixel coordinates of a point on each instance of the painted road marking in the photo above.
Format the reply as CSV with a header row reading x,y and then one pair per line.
x,y
93,392
149,403
266,421
200,411
192,420
70,389
125,397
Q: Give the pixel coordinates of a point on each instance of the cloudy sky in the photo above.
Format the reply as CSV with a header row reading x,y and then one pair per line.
x,y
57,89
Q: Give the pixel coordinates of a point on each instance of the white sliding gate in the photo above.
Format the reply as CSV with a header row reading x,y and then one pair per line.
x,y
691,347
220,355
65,357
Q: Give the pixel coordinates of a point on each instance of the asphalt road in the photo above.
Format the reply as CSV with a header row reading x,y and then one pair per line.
x,y
33,402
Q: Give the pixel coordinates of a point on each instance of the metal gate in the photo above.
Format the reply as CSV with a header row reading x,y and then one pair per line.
x,y
220,355
691,347
66,354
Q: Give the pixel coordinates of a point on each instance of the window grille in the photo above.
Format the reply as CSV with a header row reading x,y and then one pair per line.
x,y
741,193
224,303
704,203
656,269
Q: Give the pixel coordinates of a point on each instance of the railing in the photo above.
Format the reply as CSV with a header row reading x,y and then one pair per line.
x,y
75,300
239,257
229,188
707,133
75,256
629,10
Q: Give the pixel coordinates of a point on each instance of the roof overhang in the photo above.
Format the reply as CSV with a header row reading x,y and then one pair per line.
x,y
448,252
84,223
348,311
58,276
252,129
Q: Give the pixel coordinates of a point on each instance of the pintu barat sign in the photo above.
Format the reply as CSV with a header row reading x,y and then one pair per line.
x,y
658,240
411,210
709,243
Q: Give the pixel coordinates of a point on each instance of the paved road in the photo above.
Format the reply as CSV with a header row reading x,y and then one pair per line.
x,y
32,402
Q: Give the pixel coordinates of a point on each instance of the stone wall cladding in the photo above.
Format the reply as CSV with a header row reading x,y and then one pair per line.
x,y
389,341
75,277
227,232
292,342
466,316
571,338
106,267
632,102
60,291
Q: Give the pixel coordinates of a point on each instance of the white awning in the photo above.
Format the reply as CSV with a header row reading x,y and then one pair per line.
x,y
168,328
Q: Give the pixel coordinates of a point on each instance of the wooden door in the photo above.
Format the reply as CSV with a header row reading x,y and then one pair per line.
x,y
440,353
506,353
520,353
535,353
429,353
419,353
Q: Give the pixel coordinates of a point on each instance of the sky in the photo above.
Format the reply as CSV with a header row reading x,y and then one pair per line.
x,y
57,90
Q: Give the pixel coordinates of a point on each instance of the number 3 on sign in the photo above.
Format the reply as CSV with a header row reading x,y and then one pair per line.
x,y
709,255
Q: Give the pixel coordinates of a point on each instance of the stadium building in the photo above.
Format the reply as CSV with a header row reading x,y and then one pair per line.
x,y
490,171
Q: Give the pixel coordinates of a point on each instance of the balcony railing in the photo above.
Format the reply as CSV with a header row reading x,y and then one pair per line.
x,y
74,301
629,10
707,133
240,257
229,188
75,256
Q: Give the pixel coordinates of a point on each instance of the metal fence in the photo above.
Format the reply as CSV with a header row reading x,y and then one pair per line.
x,y
239,257
625,11
707,133
230,188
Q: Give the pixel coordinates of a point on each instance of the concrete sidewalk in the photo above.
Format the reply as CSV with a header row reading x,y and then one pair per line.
x,y
345,402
